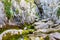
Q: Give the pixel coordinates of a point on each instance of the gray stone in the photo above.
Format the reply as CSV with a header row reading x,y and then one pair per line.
x,y
49,8
46,20
27,12
41,25
58,21
51,38
2,15
37,38
50,23
55,35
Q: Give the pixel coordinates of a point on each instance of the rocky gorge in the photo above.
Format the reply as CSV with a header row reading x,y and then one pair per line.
x,y
30,19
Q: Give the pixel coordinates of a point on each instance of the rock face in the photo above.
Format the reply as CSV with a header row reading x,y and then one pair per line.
x,y
26,11
49,13
49,8
23,11
2,15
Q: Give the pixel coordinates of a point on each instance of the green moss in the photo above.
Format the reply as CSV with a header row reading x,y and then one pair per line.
x,y
25,32
7,27
11,37
26,38
17,36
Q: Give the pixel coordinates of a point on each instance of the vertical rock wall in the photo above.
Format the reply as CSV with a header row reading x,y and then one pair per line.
x,y
21,10
2,15
49,8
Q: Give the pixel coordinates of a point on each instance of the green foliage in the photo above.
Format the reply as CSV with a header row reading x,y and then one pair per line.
x,y
37,15
26,38
18,1
47,38
7,7
26,32
27,1
1,30
29,26
17,11
58,12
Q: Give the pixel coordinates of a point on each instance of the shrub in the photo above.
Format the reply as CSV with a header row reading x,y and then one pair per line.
x,y
7,7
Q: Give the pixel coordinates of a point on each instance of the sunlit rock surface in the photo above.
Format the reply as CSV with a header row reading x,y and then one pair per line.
x,y
22,11
26,11
41,25
49,12
2,15
55,35
49,8
31,11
